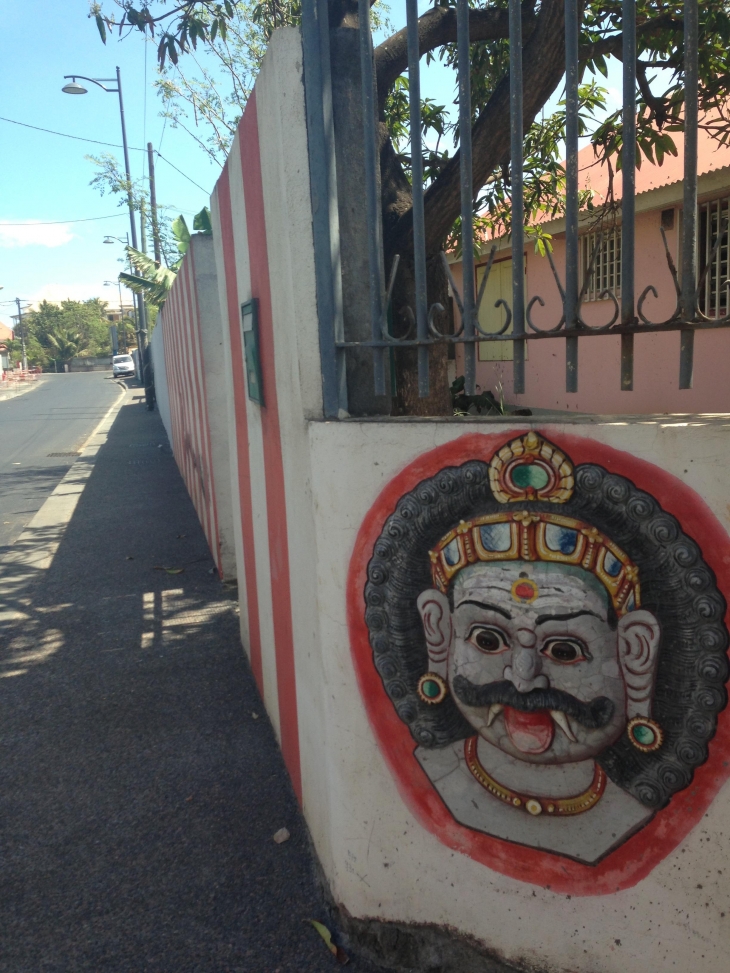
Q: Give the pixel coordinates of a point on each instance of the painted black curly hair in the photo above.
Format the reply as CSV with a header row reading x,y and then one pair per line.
x,y
677,586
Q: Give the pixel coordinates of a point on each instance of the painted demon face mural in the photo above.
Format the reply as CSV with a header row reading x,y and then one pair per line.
x,y
554,642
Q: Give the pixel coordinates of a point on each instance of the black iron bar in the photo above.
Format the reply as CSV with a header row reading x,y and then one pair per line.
x,y
372,191
570,306
628,197
518,207
689,214
324,230
467,193
541,335
419,225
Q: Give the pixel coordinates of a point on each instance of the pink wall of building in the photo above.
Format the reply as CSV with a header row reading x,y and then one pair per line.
x,y
656,356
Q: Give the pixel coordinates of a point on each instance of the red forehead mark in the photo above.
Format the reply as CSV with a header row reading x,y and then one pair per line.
x,y
524,591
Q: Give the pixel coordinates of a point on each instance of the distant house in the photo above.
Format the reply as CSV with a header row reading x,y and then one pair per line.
x,y
656,356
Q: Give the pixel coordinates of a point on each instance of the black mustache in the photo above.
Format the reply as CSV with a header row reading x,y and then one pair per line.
x,y
593,715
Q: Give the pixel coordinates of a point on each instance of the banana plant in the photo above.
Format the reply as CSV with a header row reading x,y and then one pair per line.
x,y
153,282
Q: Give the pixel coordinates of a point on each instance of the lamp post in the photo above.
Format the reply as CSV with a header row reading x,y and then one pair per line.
x,y
74,88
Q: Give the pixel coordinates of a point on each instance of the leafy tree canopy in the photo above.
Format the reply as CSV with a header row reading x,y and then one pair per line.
x,y
64,331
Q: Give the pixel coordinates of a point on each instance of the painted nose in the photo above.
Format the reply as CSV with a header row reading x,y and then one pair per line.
x,y
524,673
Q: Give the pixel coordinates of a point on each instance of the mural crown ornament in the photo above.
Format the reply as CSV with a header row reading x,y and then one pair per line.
x,y
531,468
533,535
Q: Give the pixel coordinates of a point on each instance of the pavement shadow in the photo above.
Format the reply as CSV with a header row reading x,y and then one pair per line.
x,y
142,780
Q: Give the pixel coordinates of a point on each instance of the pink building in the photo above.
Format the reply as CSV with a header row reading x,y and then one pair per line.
x,y
656,356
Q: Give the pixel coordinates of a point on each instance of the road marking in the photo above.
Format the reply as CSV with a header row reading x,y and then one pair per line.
x,y
36,547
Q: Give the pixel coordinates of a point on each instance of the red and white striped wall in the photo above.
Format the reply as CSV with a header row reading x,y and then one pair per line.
x,y
262,230
188,375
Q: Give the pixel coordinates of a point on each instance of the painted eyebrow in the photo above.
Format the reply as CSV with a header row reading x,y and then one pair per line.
x,y
566,618
484,604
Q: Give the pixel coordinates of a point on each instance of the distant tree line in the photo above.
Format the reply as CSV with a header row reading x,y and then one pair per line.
x,y
60,332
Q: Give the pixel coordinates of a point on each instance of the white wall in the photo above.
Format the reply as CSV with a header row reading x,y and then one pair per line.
x,y
162,395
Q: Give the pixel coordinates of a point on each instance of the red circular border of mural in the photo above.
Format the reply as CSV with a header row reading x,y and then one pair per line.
x,y
637,856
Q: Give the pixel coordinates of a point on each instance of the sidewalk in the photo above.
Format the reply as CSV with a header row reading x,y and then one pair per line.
x,y
140,794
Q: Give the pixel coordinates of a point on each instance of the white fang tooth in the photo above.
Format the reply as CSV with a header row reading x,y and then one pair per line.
x,y
494,710
562,720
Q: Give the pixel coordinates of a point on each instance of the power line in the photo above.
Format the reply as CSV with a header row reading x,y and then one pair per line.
x,y
112,145
159,156
89,219
77,138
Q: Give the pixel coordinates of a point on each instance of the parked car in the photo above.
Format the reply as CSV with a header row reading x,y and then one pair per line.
x,y
122,365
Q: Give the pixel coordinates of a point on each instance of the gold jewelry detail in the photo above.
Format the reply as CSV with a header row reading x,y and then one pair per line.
x,y
645,734
531,468
555,806
537,536
432,688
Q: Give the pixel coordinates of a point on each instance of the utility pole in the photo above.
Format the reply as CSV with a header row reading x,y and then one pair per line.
x,y
21,328
153,205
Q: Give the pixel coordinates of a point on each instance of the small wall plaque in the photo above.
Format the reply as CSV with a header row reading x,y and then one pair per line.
x,y
251,353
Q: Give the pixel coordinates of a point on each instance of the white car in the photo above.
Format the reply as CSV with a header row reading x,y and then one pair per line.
x,y
122,365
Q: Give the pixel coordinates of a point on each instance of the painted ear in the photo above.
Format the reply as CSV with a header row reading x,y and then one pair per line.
x,y
437,627
638,651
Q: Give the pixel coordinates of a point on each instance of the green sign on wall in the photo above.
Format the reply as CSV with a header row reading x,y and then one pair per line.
x,y
251,353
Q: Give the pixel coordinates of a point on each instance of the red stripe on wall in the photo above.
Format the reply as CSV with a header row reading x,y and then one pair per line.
x,y
239,400
273,459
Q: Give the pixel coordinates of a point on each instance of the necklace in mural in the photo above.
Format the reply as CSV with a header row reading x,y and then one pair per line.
x,y
557,806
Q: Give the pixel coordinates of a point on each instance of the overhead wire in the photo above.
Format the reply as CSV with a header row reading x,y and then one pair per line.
x,y
113,145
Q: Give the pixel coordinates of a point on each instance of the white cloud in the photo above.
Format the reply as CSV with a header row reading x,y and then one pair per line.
x,y
55,293
35,234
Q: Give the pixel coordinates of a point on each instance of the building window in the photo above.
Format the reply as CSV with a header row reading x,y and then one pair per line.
x,y
607,267
713,296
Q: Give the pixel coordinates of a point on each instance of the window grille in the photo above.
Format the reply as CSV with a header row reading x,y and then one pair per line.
x,y
606,274
713,259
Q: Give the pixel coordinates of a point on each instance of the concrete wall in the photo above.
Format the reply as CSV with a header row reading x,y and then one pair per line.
x,y
631,889
188,342
162,392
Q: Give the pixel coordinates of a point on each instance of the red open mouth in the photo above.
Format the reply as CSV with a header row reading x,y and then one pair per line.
x,y
529,732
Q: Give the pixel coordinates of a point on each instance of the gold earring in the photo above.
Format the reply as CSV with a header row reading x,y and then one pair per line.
x,y
645,734
432,688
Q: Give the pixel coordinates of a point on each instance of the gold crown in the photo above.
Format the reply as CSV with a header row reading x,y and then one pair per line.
x,y
531,468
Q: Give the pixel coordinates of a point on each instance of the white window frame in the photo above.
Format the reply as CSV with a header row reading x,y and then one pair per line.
x,y
607,269
713,297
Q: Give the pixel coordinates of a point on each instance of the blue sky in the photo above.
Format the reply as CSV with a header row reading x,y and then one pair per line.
x,y
45,178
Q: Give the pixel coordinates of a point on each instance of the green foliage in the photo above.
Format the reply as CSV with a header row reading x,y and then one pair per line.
x,y
64,331
434,124
208,99
156,282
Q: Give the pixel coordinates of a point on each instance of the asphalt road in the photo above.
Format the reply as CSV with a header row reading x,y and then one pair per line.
x,y
55,418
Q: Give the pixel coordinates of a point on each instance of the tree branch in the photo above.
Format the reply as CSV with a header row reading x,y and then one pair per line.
x,y
613,44
438,27
543,67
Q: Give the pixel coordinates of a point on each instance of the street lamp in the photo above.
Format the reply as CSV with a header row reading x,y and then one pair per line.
x,y
74,88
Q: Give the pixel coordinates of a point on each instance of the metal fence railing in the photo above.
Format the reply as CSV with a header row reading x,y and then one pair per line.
x,y
700,291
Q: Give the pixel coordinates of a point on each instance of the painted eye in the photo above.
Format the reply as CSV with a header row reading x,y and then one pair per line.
x,y
565,650
489,640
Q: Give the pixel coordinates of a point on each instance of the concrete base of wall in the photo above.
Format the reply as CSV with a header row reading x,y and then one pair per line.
x,y
403,948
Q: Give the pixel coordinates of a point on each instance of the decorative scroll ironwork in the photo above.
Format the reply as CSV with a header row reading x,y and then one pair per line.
x,y
628,315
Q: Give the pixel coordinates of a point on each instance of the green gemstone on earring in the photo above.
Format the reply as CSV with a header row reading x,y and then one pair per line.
x,y
430,688
644,735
